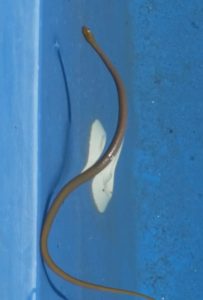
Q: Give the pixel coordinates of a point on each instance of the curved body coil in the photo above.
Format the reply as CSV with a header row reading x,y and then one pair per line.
x,y
87,175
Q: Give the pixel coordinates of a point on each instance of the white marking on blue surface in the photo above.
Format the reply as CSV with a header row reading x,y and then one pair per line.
x,y
103,183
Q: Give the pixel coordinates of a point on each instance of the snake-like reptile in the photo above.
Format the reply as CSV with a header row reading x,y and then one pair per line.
x,y
107,157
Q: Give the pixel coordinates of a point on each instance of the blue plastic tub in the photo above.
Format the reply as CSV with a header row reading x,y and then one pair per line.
x,y
52,87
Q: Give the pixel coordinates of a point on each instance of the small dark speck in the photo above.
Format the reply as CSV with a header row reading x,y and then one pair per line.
x,y
194,25
157,80
192,157
170,130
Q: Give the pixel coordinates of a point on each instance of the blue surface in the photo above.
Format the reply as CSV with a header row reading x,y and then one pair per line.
x,y
19,42
150,237
168,156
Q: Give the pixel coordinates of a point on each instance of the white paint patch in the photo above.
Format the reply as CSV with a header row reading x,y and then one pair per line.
x,y
97,143
103,183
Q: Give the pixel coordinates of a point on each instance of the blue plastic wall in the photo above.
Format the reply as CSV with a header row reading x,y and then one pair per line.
x,y
19,44
52,87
